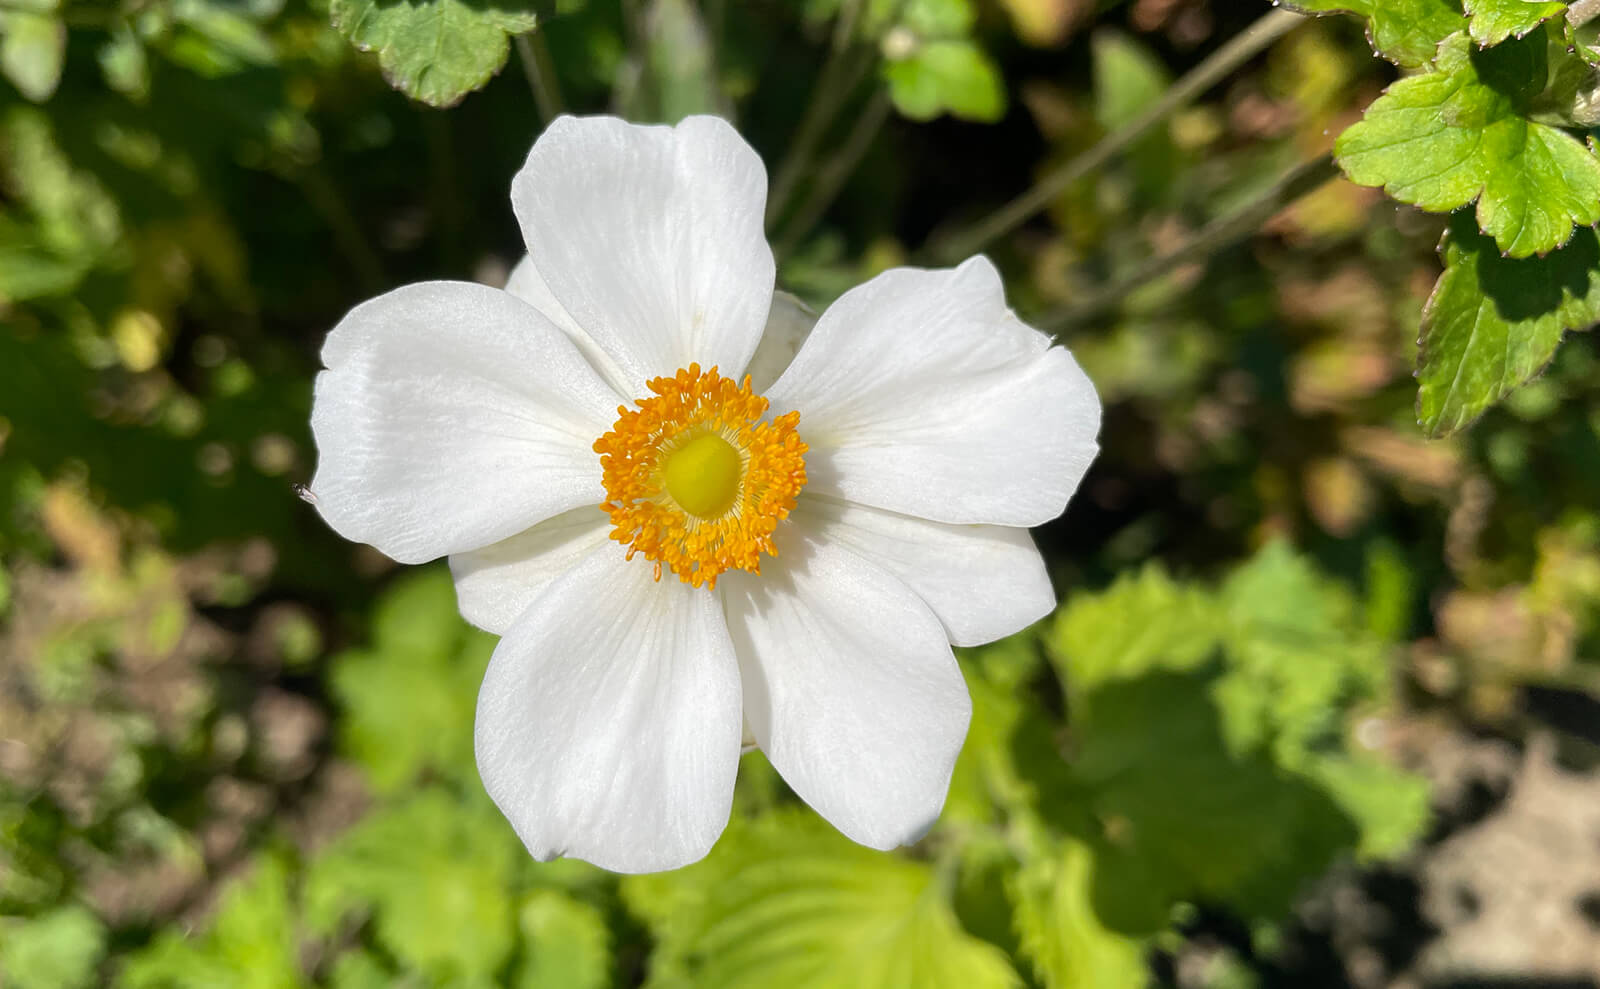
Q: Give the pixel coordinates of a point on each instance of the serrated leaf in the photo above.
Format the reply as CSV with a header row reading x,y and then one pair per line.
x,y
409,700
1406,32
1493,21
32,49
1187,815
1141,622
252,943
1297,656
433,873
435,51
56,950
1389,805
1060,933
566,944
786,901
1445,138
954,77
1493,323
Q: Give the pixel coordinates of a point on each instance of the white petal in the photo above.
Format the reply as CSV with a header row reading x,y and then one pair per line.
x,y
788,325
451,416
921,393
651,239
984,582
608,722
850,688
496,584
527,284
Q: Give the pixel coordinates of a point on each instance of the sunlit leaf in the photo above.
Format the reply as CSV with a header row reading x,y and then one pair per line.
x,y
1061,934
56,950
410,697
432,873
435,51
1406,32
1445,138
787,901
566,944
1493,21
32,47
253,942
1144,621
953,77
1493,323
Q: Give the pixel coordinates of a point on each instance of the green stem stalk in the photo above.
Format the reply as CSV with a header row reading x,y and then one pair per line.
x,y
839,76
833,175
1219,233
534,55
1221,63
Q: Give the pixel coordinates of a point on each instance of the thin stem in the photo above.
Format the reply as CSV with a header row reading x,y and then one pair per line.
x,y
840,74
1219,233
832,176
348,237
1202,77
541,72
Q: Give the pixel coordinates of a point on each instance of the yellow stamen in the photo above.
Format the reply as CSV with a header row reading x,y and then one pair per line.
x,y
696,479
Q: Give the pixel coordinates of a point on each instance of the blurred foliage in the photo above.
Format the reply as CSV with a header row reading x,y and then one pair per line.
x,y
236,751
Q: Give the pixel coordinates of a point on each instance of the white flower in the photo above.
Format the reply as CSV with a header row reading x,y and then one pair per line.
x,y
831,545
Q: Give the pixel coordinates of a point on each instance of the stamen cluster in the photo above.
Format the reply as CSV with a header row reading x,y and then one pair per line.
x,y
633,458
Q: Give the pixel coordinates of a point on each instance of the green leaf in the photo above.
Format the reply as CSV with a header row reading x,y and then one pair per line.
x,y
433,873
124,64
1184,813
787,901
435,51
1142,622
1406,32
1061,934
1493,21
1445,138
252,943
1128,77
57,950
924,18
1493,323
31,52
1297,656
954,77
409,700
216,41
359,970
566,943
1389,805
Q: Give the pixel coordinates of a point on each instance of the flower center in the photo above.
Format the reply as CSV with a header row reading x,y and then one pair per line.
x,y
696,479
703,475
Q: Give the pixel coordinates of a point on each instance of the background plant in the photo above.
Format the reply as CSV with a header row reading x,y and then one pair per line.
x,y
236,751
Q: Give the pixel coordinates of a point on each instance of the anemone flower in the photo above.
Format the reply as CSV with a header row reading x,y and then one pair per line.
x,y
697,521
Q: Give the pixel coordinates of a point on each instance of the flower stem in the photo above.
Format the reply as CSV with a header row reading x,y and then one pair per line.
x,y
1222,232
1243,47
541,72
833,175
839,75
348,237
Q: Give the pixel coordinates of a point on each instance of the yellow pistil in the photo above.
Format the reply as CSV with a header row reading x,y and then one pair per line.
x,y
696,479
